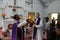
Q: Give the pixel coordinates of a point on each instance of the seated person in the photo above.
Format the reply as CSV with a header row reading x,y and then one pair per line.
x,y
9,30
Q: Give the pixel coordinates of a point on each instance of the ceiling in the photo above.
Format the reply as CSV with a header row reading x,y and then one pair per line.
x,y
44,2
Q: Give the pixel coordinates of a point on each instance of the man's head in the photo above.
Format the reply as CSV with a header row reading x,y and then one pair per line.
x,y
47,19
10,26
37,15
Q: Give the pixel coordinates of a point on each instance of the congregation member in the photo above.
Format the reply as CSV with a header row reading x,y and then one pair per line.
x,y
9,30
47,27
51,33
53,21
37,34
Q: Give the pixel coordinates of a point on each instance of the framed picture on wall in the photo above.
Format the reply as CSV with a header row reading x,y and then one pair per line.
x,y
31,15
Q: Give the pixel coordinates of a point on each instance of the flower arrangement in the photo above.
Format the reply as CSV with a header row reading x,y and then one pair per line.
x,y
3,15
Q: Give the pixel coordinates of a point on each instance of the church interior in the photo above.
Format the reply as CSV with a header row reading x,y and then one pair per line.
x,y
26,9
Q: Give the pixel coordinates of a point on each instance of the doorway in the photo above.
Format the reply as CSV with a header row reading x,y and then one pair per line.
x,y
53,15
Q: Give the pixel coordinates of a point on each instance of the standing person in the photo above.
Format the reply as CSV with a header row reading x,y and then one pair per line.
x,y
52,31
16,30
47,27
37,28
53,21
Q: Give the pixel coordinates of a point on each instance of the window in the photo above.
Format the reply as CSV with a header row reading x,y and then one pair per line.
x,y
54,15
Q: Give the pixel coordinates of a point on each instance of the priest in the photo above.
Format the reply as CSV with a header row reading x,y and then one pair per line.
x,y
38,28
16,32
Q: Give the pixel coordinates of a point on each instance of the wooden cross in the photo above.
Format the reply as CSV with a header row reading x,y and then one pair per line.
x,y
14,7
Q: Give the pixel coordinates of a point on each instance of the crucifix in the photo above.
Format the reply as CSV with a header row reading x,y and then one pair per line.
x,y
14,7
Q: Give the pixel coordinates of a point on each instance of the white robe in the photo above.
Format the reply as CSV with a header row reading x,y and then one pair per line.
x,y
39,30
22,24
47,25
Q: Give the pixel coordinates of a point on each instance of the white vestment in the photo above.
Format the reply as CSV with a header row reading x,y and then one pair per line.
x,y
39,30
47,27
22,24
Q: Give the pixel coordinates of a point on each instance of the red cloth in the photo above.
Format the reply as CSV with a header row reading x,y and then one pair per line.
x,y
4,33
46,35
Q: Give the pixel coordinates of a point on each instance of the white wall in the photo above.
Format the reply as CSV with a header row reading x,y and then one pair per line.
x,y
38,7
53,7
